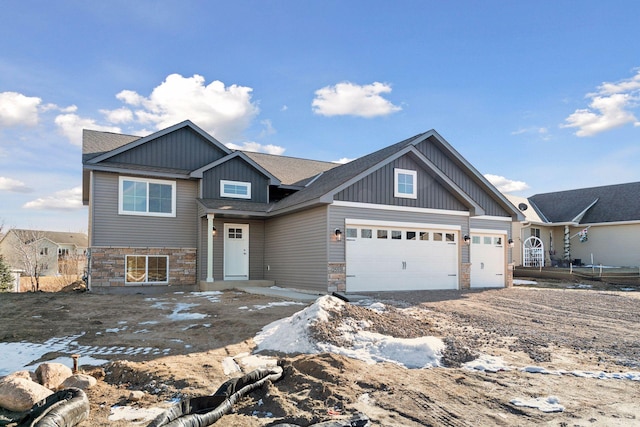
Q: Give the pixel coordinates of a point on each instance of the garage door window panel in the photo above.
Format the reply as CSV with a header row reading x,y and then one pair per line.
x,y
396,235
382,234
366,233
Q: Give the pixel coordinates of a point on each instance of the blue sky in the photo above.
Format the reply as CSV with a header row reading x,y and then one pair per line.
x,y
540,96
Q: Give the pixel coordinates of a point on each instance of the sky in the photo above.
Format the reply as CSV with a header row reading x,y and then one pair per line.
x,y
539,96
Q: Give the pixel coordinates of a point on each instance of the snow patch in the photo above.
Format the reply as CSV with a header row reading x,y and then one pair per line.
x,y
545,404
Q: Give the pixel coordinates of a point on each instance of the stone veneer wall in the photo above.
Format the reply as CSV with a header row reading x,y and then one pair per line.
x,y
337,277
465,276
510,268
108,269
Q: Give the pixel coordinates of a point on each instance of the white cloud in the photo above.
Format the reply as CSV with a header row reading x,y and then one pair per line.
x,y
350,99
257,148
505,185
120,115
13,185
343,160
18,110
71,125
224,112
268,128
610,107
61,200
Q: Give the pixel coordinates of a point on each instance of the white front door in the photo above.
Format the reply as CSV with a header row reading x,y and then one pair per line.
x,y
236,251
487,260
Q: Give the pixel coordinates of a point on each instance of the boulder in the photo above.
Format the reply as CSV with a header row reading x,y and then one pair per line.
x,y
20,394
51,375
27,375
81,381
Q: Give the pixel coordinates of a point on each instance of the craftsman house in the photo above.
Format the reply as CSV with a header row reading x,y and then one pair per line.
x,y
178,207
598,225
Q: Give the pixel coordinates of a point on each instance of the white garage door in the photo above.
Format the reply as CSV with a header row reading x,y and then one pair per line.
x,y
388,258
487,260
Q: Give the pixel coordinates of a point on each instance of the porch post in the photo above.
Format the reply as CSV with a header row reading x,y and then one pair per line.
x,y
210,247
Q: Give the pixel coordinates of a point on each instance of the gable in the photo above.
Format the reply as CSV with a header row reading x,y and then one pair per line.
x,y
378,188
469,180
235,169
182,149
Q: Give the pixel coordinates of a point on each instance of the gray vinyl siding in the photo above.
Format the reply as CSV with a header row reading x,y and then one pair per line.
x,y
256,248
182,149
235,170
296,248
338,214
378,187
111,229
456,173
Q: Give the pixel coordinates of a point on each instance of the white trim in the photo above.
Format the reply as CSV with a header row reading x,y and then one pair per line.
x,y
224,182
146,269
147,181
414,175
493,218
418,225
487,231
399,208
600,224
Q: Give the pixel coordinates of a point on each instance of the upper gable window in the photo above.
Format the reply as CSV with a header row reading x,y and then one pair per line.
x,y
235,189
405,184
153,197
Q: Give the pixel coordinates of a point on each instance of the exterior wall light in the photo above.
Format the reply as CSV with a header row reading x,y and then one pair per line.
x,y
467,239
338,234
510,242
214,232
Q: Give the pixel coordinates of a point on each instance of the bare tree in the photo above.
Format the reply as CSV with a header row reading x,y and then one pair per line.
x,y
30,253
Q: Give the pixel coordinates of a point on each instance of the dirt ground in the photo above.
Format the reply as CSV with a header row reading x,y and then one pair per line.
x,y
174,345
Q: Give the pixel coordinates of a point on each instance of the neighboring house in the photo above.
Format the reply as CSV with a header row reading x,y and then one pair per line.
x,y
178,207
56,253
599,225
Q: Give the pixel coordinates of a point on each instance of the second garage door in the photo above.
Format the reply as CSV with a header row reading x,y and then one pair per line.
x,y
388,258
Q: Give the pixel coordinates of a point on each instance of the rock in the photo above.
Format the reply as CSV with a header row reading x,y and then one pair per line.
x,y
136,395
27,375
20,394
51,375
81,381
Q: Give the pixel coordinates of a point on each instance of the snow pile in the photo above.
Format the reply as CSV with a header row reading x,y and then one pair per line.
x,y
486,363
545,404
293,335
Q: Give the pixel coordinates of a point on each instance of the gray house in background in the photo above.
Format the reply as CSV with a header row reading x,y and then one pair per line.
x,y
178,207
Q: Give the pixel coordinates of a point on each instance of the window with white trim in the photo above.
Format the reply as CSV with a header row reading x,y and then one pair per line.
x,y
152,197
235,189
146,269
405,183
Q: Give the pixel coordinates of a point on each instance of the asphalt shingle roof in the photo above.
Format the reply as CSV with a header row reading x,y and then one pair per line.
x,y
615,203
290,170
95,143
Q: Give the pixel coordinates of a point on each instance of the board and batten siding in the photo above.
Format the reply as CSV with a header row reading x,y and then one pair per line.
x,y
182,149
338,215
256,248
296,248
378,187
111,229
235,170
458,174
